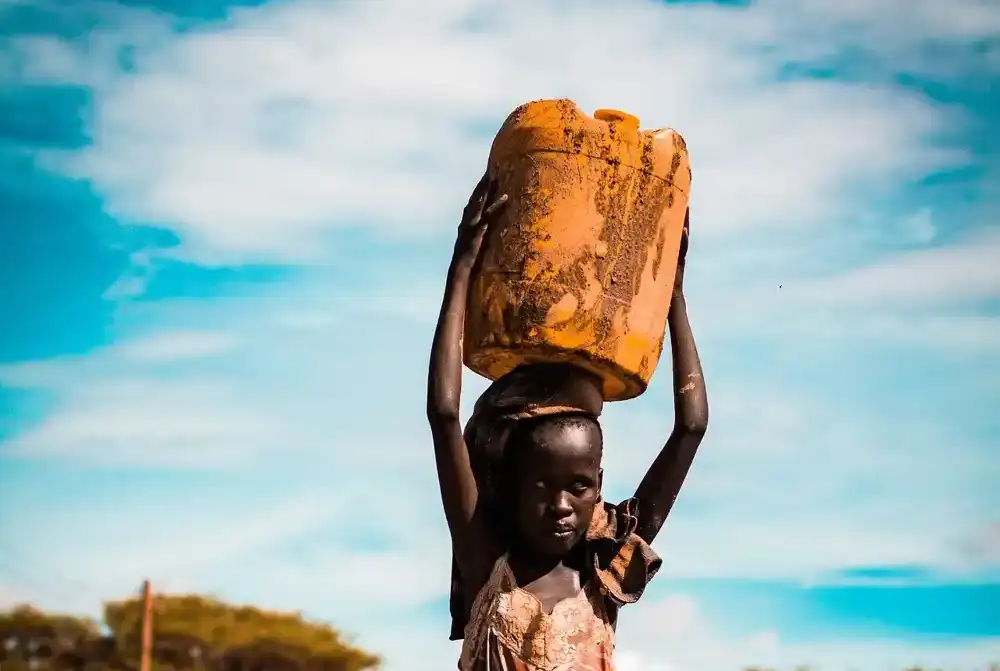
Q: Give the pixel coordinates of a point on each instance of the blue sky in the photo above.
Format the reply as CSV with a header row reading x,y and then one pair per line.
x,y
223,229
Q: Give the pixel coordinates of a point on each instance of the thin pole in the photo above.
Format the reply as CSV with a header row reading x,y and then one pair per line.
x,y
147,627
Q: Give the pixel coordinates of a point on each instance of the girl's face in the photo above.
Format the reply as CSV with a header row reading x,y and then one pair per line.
x,y
557,482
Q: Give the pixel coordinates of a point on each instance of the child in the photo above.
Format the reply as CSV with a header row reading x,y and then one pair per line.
x,y
542,563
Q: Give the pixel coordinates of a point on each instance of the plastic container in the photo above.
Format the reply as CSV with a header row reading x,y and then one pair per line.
x,y
580,266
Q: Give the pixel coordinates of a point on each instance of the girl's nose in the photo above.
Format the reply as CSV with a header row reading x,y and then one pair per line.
x,y
561,505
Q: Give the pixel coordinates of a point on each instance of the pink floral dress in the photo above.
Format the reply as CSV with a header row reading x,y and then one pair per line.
x,y
509,631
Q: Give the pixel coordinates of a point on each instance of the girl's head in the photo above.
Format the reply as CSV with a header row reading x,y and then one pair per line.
x,y
552,476
535,447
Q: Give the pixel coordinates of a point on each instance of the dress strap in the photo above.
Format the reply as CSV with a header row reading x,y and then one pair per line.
x,y
505,572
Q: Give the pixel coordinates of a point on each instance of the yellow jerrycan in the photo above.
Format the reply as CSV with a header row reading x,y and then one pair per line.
x,y
580,266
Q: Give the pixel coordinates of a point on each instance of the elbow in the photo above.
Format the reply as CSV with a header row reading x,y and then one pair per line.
x,y
441,412
442,402
694,425
693,430
443,422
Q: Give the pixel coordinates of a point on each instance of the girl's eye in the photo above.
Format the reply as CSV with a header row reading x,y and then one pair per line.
x,y
579,487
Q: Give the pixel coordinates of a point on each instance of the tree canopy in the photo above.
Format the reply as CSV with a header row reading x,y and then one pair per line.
x,y
189,632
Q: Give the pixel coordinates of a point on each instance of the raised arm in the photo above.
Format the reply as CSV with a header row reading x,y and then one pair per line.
x,y
444,386
663,480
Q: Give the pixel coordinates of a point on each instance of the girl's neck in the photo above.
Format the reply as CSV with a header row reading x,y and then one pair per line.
x,y
525,562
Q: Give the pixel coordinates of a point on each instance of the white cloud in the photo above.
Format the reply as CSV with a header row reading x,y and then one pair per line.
x,y
703,649
191,422
254,139
119,543
896,31
921,226
963,272
984,546
923,298
166,347
674,635
134,281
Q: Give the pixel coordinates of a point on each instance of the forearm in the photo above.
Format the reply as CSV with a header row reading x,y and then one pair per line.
x,y
444,379
662,482
690,398
444,390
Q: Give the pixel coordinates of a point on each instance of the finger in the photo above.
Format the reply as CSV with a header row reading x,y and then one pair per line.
x,y
491,193
472,222
479,192
484,181
495,207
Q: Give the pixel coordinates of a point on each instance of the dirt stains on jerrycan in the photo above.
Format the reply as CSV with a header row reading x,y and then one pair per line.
x,y
580,266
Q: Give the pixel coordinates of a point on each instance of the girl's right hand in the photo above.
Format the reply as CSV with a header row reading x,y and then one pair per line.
x,y
481,211
682,256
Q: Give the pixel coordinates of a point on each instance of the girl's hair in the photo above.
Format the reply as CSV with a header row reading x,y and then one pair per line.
x,y
519,442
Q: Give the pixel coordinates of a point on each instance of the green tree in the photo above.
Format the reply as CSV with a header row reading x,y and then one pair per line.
x,y
189,632
197,631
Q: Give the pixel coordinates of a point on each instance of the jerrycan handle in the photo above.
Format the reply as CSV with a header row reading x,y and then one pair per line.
x,y
617,115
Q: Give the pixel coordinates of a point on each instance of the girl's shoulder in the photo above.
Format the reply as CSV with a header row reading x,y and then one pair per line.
x,y
623,562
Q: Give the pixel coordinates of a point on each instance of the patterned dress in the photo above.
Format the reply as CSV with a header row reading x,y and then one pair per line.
x,y
509,631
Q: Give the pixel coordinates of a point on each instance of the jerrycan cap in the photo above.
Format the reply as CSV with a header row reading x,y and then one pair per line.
x,y
616,115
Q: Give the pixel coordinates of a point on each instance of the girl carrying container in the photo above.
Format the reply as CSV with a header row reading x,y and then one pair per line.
x,y
542,564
